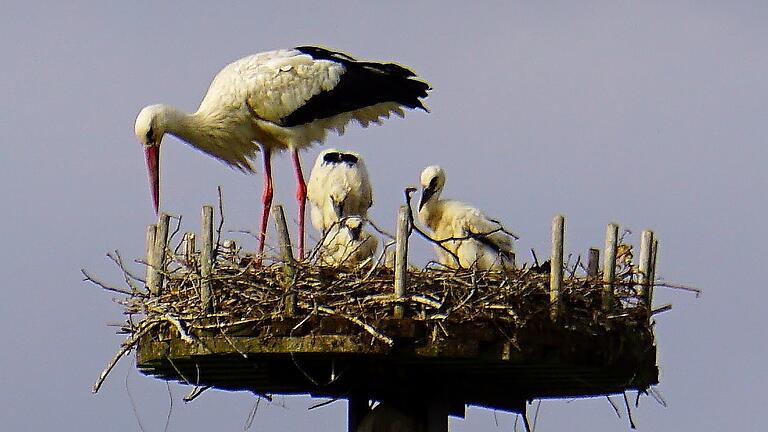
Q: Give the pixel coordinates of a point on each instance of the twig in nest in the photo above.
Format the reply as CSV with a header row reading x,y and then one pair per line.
x,y
322,404
614,406
380,231
252,414
176,230
661,309
133,404
221,224
425,301
126,346
170,406
387,340
127,275
194,393
678,287
186,337
629,411
89,278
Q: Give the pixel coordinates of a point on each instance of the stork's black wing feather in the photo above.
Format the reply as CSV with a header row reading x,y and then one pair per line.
x,y
363,84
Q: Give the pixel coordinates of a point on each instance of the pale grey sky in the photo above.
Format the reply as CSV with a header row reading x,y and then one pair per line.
x,y
651,114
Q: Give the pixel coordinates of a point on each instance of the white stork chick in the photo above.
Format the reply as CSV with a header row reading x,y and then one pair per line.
x,y
347,244
481,242
280,100
338,187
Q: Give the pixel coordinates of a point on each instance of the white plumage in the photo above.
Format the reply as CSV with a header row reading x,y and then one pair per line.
x,y
338,186
347,244
280,100
480,241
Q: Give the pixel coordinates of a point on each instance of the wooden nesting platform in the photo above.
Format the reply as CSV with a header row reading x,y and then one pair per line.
x,y
214,317
475,364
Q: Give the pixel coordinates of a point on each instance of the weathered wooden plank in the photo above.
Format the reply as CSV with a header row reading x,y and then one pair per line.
x,y
646,252
206,257
157,263
286,254
151,277
593,262
556,266
190,249
609,264
401,258
652,277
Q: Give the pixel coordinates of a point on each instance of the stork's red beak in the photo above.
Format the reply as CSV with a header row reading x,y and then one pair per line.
x,y
152,153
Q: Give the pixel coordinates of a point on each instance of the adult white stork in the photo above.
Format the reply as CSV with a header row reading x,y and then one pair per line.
x,y
477,240
338,186
280,100
347,244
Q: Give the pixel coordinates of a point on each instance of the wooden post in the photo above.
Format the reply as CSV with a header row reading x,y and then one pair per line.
x,y
556,266
357,408
289,262
401,259
437,416
189,248
593,262
646,256
652,272
206,257
157,262
151,278
609,264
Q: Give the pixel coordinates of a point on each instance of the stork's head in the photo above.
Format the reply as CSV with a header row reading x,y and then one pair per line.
x,y
338,194
150,128
355,226
432,182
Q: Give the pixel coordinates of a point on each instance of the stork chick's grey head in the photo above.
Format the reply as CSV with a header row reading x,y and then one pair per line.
x,y
354,225
432,182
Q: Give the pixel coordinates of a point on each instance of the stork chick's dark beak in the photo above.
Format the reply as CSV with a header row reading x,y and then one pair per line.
x,y
152,153
426,194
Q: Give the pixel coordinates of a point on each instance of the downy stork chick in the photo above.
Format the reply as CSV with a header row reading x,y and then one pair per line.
x,y
347,244
480,242
338,186
282,100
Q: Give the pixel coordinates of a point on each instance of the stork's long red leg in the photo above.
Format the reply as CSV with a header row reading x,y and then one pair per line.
x,y
266,200
301,198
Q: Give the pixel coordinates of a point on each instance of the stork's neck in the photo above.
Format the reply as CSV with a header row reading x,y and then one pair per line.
x,y
193,128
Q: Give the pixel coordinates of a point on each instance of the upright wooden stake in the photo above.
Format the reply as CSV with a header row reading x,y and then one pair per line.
x,y
556,266
646,256
357,408
401,259
151,279
206,257
609,264
593,262
286,251
190,249
158,255
437,416
652,277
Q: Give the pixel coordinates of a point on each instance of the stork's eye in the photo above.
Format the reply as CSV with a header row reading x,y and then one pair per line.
x,y
150,135
433,183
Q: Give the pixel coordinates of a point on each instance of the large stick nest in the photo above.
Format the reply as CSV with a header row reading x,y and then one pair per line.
x,y
255,296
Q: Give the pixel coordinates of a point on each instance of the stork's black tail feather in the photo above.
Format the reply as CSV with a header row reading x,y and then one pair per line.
x,y
363,84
